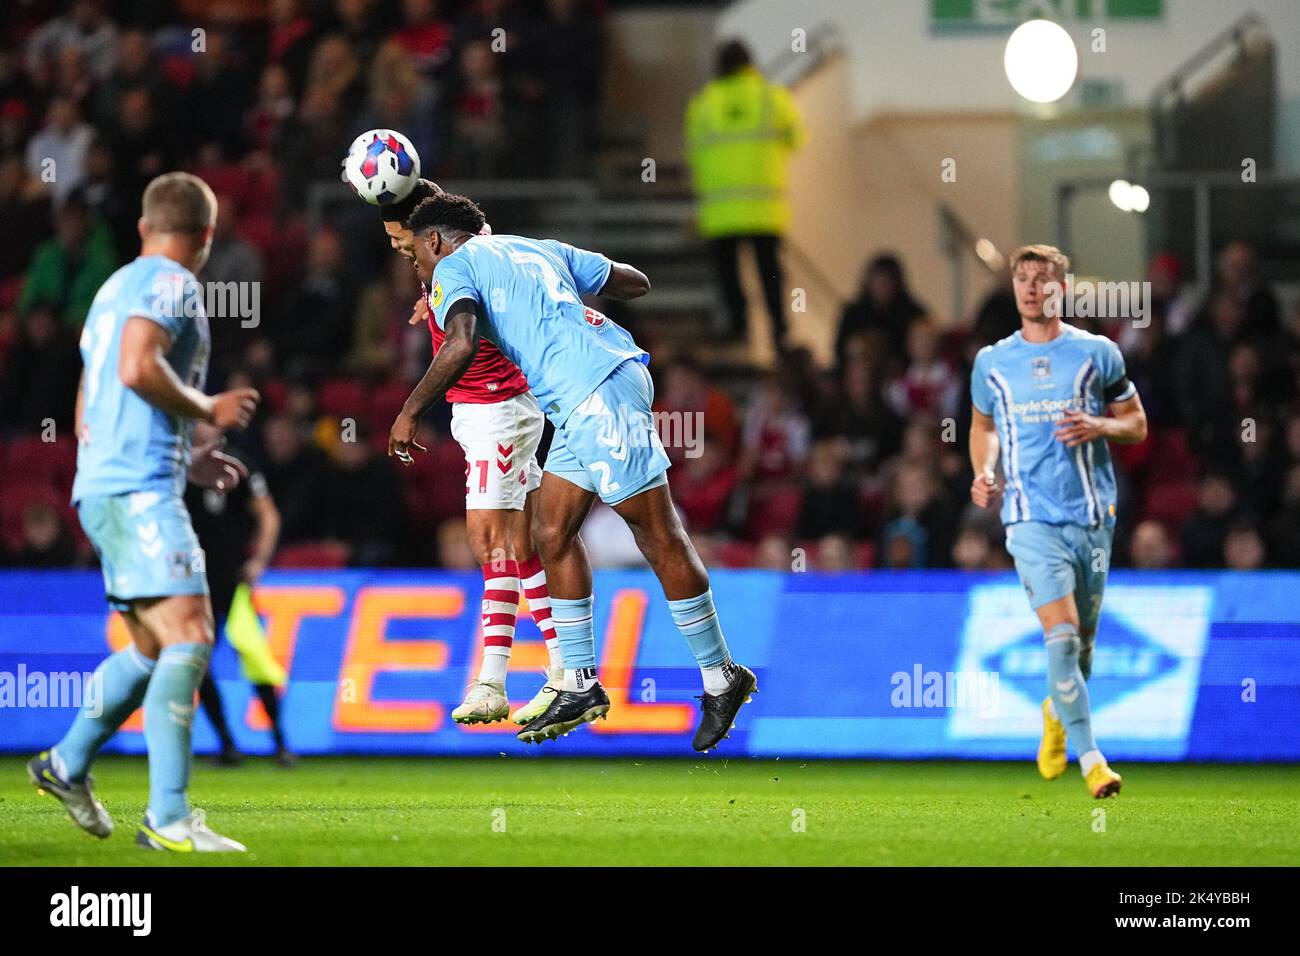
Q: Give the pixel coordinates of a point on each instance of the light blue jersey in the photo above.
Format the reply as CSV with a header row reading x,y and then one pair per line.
x,y
126,444
1026,388
529,294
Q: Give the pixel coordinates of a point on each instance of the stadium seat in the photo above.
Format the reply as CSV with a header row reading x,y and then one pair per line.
x,y
1170,502
776,512
342,398
313,554
54,463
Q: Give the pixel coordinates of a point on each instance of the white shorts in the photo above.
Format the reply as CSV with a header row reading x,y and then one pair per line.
x,y
500,442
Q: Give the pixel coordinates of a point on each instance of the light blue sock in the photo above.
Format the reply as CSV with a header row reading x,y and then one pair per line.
x,y
576,632
697,620
1069,692
168,719
116,690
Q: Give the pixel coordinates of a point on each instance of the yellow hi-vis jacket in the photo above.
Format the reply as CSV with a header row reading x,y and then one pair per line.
x,y
740,131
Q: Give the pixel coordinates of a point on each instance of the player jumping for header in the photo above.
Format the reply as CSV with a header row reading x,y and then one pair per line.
x,y
1040,398
498,423
590,378
145,347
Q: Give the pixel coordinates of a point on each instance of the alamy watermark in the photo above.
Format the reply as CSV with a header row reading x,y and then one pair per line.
x,y
959,690
1085,299
25,688
175,296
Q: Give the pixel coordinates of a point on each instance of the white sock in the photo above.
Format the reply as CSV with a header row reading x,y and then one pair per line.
x,y
1089,760
496,661
553,652
580,679
1051,709
718,679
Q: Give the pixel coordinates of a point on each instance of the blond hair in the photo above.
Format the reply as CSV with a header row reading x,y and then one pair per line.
x,y
178,202
1041,252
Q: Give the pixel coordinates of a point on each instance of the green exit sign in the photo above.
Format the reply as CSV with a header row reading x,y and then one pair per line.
x,y
999,14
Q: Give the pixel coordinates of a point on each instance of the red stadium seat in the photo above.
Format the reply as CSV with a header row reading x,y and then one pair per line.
x,y
313,554
1170,502
383,405
34,460
17,494
776,512
342,398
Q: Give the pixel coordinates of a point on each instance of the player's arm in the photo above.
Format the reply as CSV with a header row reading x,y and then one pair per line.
x,y
984,450
1126,424
625,282
451,362
267,534
143,367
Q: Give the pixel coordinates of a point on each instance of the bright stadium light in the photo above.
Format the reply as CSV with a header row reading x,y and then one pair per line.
x,y
1128,196
1041,61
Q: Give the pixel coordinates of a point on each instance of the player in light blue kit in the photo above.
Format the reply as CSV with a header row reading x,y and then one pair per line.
x,y
590,378
1040,399
145,350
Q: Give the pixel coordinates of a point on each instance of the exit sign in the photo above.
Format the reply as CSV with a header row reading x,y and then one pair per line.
x,y
1000,14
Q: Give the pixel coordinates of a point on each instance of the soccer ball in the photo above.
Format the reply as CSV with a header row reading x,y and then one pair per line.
x,y
381,166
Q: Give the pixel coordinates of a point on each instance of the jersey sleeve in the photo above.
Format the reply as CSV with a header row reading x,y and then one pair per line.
x,y
169,298
453,281
1115,384
590,270
981,396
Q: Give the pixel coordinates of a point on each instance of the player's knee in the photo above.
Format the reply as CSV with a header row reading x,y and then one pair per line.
x,y
551,538
662,544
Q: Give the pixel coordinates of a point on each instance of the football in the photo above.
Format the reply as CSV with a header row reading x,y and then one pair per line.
x,y
381,166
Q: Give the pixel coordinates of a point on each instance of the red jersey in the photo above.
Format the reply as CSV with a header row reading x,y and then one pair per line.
x,y
490,378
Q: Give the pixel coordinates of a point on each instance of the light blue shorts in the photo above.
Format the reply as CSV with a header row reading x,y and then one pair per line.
x,y
146,545
609,445
1056,560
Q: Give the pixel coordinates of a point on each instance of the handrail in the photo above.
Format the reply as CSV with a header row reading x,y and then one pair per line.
x,y
1233,35
791,67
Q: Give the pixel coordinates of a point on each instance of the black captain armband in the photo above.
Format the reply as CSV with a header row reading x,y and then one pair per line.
x,y
1117,388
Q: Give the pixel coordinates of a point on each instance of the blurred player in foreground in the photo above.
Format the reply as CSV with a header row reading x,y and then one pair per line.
x,y
590,377
498,423
1040,398
145,348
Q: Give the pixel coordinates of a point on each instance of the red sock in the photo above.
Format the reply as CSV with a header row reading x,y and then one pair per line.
x,y
500,610
533,578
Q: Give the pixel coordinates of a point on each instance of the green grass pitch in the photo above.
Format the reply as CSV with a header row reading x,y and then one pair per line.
x,y
510,811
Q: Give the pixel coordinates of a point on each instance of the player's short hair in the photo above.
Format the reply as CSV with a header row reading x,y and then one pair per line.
x,y
1041,252
401,210
178,202
447,212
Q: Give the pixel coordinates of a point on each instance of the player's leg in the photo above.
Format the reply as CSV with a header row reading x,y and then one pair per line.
x,y
565,501
117,689
491,537
664,542
222,595
532,578
270,699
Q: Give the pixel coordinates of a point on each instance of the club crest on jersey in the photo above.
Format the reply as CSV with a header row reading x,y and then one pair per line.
x,y
435,295
594,319
1042,367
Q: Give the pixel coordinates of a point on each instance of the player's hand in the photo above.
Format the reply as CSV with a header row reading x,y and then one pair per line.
x,y
420,314
985,490
252,570
401,438
234,409
1076,428
214,469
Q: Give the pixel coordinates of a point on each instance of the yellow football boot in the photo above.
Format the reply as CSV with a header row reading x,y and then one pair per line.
x,y
1102,781
1051,750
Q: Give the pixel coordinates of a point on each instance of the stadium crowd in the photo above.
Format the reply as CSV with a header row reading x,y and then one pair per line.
x,y
862,464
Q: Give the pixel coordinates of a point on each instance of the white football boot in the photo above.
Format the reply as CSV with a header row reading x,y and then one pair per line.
x,y
187,835
484,703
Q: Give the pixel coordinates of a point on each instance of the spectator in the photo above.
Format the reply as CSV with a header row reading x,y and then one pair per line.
x,y
67,271
56,155
25,211
831,501
296,475
107,201
775,438
214,100
266,119
86,28
884,304
740,132
41,374
703,487
425,36
315,320
566,61
775,554
1150,548
1243,548
134,68
478,108
1205,530
686,393
835,554
929,386
46,542
363,502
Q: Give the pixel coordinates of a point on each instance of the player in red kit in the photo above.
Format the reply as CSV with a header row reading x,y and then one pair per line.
x,y
498,423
